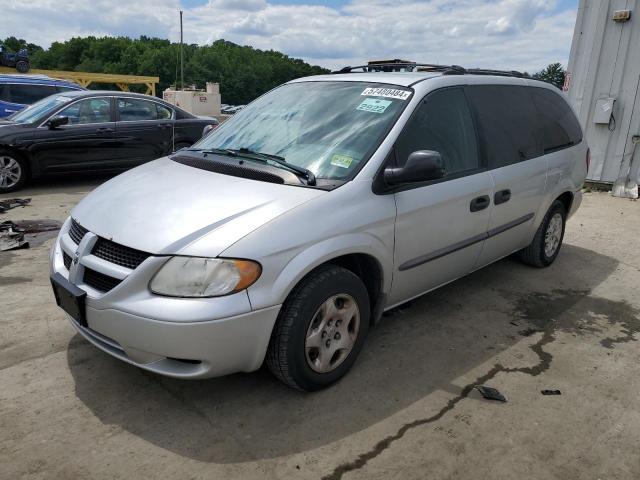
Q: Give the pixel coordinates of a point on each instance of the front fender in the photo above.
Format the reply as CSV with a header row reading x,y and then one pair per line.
x,y
274,289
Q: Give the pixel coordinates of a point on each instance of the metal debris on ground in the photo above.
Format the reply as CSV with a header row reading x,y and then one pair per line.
x,y
11,238
26,233
551,392
13,203
490,393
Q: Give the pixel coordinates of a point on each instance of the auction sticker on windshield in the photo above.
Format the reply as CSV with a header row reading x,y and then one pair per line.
x,y
386,92
374,105
343,161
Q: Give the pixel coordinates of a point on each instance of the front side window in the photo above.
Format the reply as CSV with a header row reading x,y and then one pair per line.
x,y
442,123
330,128
28,94
133,109
90,110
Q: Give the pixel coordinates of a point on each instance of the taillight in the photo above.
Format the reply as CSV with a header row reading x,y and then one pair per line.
x,y
588,159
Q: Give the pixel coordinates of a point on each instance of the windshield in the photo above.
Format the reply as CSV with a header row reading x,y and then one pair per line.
x,y
37,110
330,128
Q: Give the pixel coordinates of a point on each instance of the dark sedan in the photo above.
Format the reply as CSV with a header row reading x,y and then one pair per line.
x,y
90,131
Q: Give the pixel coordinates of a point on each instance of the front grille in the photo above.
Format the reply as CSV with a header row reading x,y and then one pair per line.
x,y
106,250
99,281
119,254
77,231
67,260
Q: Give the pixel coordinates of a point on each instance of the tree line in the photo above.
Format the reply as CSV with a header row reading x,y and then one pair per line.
x,y
243,72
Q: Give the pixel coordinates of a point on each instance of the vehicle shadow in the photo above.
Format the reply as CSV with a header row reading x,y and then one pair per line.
x,y
414,352
66,184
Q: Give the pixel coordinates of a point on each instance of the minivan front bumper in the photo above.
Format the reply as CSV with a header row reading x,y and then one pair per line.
x,y
182,350
177,337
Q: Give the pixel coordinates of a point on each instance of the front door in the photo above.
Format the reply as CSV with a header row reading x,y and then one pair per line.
x,y
441,225
144,130
85,143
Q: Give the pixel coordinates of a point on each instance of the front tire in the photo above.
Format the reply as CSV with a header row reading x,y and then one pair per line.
x,y
22,66
14,171
546,244
320,330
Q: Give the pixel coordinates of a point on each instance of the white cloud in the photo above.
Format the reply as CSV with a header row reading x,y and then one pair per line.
x,y
512,34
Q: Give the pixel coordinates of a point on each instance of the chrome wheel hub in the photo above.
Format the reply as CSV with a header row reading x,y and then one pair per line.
x,y
10,171
332,333
553,235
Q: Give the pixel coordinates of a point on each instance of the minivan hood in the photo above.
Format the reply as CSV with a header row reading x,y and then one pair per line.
x,y
164,207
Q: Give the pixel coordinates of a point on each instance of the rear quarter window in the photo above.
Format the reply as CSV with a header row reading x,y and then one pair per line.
x,y
507,123
558,124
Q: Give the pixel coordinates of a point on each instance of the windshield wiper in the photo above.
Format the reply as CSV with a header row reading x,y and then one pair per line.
x,y
304,172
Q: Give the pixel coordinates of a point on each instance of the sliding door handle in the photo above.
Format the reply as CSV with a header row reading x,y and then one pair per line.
x,y
479,203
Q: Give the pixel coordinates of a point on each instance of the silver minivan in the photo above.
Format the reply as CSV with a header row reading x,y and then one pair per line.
x,y
284,234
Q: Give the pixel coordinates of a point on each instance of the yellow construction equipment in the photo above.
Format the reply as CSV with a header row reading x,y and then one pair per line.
x,y
84,79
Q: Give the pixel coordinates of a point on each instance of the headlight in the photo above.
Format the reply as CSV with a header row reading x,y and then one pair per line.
x,y
204,277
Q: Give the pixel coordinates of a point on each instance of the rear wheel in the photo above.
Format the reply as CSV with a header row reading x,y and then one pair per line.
x,y
320,330
22,66
546,244
13,172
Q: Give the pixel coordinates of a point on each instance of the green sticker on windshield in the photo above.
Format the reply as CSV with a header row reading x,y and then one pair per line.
x,y
343,161
374,105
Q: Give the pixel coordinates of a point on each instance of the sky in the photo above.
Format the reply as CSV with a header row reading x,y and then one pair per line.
x,y
522,35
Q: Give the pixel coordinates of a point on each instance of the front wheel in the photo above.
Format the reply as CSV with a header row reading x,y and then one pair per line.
x,y
13,172
320,330
22,66
546,244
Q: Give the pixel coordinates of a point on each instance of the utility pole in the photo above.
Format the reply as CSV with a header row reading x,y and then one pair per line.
x,y
181,56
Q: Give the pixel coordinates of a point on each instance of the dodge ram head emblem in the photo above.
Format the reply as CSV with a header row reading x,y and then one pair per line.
x,y
76,258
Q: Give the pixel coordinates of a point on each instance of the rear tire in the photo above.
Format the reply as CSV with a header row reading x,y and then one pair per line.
x,y
22,66
544,248
14,171
320,330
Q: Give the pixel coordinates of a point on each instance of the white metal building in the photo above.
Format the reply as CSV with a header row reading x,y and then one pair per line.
x,y
603,80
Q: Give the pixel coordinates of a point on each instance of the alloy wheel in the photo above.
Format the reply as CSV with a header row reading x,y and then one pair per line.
x,y
553,235
332,333
10,172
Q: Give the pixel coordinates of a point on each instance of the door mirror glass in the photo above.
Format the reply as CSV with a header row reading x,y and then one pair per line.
x,y
57,121
421,166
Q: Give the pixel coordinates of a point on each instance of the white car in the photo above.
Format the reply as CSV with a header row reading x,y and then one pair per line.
x,y
285,233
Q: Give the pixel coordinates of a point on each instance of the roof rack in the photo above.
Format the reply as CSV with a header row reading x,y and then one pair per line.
x,y
400,65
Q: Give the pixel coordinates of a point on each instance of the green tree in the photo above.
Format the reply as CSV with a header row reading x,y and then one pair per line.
x,y
243,72
554,74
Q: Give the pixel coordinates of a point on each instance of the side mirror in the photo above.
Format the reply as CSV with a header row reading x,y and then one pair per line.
x,y
57,121
208,129
421,166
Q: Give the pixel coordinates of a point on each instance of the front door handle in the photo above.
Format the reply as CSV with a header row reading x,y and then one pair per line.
x,y
502,196
479,203
162,126
104,130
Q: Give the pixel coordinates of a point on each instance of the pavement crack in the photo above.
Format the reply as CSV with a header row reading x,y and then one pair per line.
x,y
544,362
